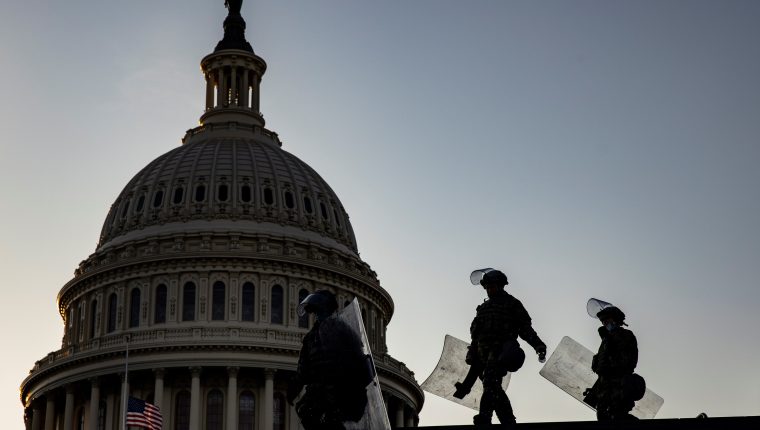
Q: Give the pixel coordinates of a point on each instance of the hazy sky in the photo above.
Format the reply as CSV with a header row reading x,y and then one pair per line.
x,y
604,149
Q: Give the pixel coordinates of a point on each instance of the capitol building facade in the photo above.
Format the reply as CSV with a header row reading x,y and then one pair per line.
x,y
201,263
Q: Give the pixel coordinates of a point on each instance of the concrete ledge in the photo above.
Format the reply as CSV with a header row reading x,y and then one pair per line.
x,y
720,423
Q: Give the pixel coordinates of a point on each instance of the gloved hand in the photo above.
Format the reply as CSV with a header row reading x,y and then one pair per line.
x,y
541,351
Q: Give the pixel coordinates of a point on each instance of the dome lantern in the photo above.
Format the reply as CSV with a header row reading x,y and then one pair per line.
x,y
233,75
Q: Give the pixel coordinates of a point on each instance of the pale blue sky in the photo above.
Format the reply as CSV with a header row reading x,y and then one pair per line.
x,y
586,148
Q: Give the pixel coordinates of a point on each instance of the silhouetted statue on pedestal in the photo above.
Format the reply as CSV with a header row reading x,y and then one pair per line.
x,y
234,29
234,6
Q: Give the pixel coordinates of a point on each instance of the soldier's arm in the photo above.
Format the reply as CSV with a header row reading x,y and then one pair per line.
x,y
527,333
631,353
472,350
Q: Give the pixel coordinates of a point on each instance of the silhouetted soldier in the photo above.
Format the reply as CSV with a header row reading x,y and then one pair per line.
x,y
617,387
332,366
494,348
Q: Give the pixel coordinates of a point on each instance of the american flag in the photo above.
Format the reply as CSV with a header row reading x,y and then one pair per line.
x,y
143,414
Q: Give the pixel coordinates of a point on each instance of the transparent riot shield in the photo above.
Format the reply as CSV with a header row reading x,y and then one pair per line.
x,y
569,368
375,416
451,369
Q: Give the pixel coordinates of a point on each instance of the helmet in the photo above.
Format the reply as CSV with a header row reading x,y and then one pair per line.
x,y
494,277
613,313
488,276
600,309
318,302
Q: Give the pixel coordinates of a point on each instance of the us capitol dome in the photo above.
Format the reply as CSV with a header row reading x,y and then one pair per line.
x,y
201,263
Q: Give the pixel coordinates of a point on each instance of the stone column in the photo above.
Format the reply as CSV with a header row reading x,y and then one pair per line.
x,y
400,413
68,414
195,398
255,97
244,97
50,412
110,409
268,404
158,392
232,401
219,87
209,91
410,420
36,418
234,87
92,421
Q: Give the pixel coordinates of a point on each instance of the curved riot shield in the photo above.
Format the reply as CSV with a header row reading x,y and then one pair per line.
x,y
569,368
375,416
451,368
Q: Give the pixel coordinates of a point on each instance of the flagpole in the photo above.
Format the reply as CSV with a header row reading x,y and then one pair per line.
x,y
126,385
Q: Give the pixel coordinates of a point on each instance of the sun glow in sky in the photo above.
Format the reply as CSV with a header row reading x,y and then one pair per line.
x,y
586,148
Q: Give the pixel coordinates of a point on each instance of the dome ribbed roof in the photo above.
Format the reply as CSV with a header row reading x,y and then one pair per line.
x,y
244,183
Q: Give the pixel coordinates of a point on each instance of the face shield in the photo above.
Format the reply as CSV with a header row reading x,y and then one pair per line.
x,y
594,306
477,275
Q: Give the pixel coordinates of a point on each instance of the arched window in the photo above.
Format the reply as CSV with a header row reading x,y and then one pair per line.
x,y
134,308
222,192
125,211
159,311
268,196
249,302
200,193
112,302
245,193
178,194
307,205
188,302
247,411
158,198
278,422
218,301
214,410
93,317
303,321
290,202
277,305
182,411
140,204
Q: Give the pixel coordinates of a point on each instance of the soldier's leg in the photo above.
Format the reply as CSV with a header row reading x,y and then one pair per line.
x,y
604,400
494,398
318,409
504,409
502,405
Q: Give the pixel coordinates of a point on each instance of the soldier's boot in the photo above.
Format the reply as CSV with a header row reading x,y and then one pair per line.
x,y
505,415
481,421
504,408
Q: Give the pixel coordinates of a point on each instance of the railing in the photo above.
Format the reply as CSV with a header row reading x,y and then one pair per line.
x,y
265,337
173,336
